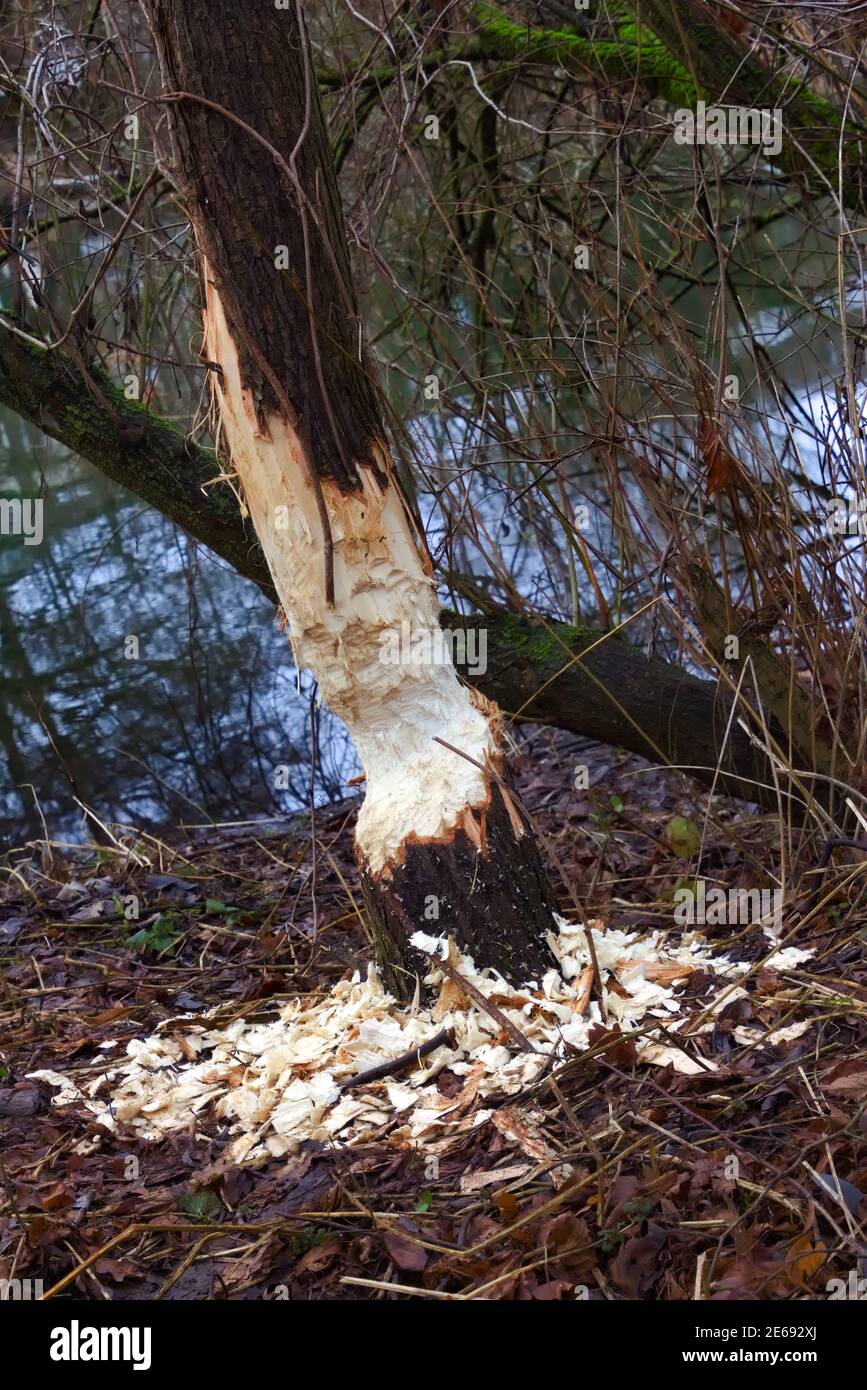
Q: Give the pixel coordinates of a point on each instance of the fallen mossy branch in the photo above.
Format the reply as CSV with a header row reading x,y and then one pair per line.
x,y
132,445
724,67
600,686
631,57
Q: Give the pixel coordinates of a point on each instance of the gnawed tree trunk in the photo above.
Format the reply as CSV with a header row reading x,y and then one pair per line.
x,y
442,842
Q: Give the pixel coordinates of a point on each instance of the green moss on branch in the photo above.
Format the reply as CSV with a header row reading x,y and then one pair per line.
x,y
678,55
631,57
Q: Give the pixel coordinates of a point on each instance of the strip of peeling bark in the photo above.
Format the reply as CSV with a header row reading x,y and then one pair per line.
x,y
441,841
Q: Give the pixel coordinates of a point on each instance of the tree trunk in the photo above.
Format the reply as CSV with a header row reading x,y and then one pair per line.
x,y
442,843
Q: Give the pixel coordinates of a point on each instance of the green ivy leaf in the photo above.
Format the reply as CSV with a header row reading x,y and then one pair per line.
x,y
160,936
201,1206
683,837
214,906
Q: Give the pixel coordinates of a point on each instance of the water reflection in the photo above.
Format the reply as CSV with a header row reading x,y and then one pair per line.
x,y
140,676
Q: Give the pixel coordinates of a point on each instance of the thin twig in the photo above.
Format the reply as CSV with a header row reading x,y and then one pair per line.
x,y
397,1063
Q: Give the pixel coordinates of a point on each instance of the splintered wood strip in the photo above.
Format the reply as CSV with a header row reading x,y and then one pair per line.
x,y
584,988
496,1014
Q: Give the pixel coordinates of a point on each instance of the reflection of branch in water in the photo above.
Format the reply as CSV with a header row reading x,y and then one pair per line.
x,y
58,742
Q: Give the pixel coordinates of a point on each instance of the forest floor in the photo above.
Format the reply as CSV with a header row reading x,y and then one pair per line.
x,y
613,1179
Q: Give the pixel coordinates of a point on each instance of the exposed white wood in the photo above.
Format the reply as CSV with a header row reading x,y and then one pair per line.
x,y
415,788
